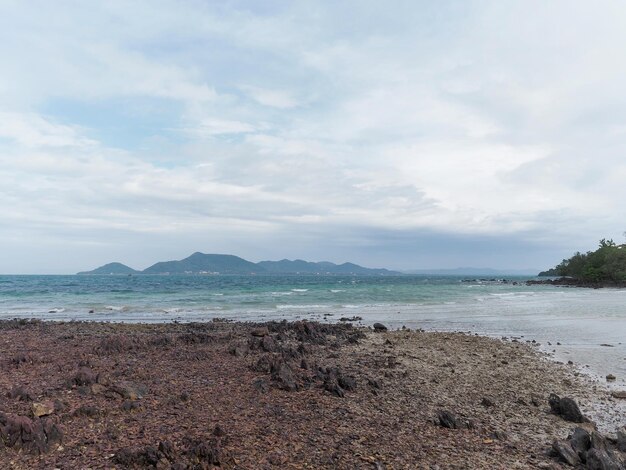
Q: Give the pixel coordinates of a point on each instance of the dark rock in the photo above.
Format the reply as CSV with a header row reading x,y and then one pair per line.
x,y
621,439
260,332
268,344
284,376
130,390
447,419
87,410
84,376
566,408
331,385
205,452
598,441
239,350
218,431
564,451
598,459
580,440
261,385
379,327
487,402
377,384
347,382
32,435
20,393
610,378
167,450
137,457
130,405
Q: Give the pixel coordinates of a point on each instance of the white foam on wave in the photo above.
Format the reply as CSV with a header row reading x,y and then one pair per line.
x,y
300,306
299,290
115,308
334,291
280,294
56,310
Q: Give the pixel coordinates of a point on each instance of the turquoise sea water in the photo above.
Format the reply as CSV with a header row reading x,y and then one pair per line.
x,y
580,319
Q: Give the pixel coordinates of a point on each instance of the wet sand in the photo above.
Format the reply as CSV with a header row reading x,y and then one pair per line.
x,y
279,395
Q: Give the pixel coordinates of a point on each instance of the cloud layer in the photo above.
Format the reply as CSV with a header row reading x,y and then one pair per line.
x,y
404,134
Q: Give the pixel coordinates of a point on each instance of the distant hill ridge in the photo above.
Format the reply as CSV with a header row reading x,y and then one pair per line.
x,y
201,263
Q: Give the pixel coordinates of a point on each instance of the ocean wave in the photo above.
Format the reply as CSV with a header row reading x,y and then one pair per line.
x,y
300,306
56,310
115,308
299,290
334,291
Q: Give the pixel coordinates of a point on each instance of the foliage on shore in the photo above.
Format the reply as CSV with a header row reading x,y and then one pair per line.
x,y
607,263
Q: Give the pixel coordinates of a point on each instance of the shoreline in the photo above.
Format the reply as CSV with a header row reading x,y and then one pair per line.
x,y
282,395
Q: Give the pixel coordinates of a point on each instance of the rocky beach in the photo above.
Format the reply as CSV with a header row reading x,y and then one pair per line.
x,y
293,395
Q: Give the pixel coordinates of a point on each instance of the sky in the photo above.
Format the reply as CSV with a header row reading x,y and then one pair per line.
x,y
398,134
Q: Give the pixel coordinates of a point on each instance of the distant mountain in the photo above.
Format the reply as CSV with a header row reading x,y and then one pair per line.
x,y
299,266
203,263
112,268
468,271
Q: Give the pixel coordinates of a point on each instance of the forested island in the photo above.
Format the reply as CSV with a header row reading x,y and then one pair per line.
x,y
606,266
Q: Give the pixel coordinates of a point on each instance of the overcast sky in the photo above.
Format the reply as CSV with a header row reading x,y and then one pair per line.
x,y
402,134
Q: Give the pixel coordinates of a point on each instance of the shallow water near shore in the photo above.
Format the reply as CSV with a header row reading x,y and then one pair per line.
x,y
590,325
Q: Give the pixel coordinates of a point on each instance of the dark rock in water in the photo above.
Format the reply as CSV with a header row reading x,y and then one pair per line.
x,y
566,408
447,419
610,378
618,394
580,440
379,327
598,459
564,451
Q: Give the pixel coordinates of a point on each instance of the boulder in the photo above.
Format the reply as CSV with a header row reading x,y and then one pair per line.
x,y
379,327
43,409
566,408
598,459
580,440
564,451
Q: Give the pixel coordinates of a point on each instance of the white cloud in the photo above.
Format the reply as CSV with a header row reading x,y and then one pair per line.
x,y
483,118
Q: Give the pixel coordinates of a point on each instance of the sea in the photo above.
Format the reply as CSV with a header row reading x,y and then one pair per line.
x,y
586,326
